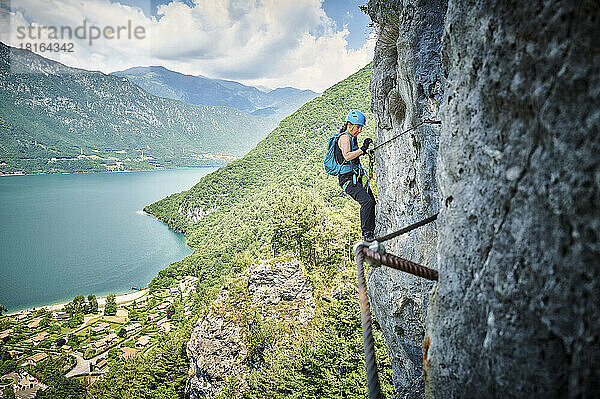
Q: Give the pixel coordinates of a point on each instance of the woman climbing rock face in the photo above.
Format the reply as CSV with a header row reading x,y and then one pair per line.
x,y
351,178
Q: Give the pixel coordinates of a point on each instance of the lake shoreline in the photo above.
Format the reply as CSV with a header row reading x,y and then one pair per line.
x,y
71,250
121,298
110,171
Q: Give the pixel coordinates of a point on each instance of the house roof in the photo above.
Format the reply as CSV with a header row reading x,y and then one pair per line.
x,y
101,326
128,352
101,342
35,322
38,356
40,336
57,314
133,326
143,341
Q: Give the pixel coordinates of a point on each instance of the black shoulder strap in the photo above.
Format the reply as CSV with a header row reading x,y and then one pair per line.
x,y
339,158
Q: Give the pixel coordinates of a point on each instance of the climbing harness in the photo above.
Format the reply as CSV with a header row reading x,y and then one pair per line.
x,y
357,175
375,252
424,122
360,171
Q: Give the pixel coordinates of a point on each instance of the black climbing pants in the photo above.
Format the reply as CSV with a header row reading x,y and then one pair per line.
x,y
366,199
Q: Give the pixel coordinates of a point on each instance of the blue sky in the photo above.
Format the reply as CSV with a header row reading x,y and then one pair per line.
x,y
346,12
309,44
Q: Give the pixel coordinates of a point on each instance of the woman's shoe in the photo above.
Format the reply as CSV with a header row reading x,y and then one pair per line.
x,y
369,236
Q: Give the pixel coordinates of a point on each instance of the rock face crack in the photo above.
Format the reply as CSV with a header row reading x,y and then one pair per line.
x,y
514,191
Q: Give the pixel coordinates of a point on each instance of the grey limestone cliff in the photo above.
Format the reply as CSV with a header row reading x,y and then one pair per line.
x,y
517,310
218,348
514,171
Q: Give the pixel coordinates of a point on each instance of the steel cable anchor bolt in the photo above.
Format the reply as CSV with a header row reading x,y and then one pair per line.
x,y
374,246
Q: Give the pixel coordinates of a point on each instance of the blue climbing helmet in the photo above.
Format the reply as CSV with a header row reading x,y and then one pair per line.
x,y
356,117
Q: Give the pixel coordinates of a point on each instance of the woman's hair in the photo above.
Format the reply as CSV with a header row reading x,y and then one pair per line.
x,y
344,127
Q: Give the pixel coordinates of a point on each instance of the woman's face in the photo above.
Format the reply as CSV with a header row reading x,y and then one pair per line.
x,y
355,129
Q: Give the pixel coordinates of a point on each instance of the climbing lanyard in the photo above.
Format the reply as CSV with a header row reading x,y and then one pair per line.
x,y
375,252
371,152
370,167
369,172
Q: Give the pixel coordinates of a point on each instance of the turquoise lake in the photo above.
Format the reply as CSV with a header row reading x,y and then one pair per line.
x,y
65,235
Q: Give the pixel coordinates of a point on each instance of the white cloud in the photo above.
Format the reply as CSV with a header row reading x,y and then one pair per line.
x,y
271,42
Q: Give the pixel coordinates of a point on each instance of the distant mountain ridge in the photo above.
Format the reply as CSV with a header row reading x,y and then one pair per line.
x,y
200,90
54,118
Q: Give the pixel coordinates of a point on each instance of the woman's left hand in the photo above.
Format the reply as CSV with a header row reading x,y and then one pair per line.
x,y
366,144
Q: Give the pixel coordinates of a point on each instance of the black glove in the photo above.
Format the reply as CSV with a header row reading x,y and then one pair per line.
x,y
366,145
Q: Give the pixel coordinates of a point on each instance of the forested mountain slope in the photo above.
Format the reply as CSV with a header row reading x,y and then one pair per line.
x,y
276,204
287,162
54,118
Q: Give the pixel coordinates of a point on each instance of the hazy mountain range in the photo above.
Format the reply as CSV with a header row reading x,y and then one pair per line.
x,y
201,90
55,118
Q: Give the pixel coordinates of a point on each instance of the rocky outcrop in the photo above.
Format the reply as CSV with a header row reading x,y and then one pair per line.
x,y
517,309
277,282
218,348
217,353
194,215
407,88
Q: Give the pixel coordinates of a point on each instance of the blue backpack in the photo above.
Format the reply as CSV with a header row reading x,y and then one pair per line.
x,y
332,166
